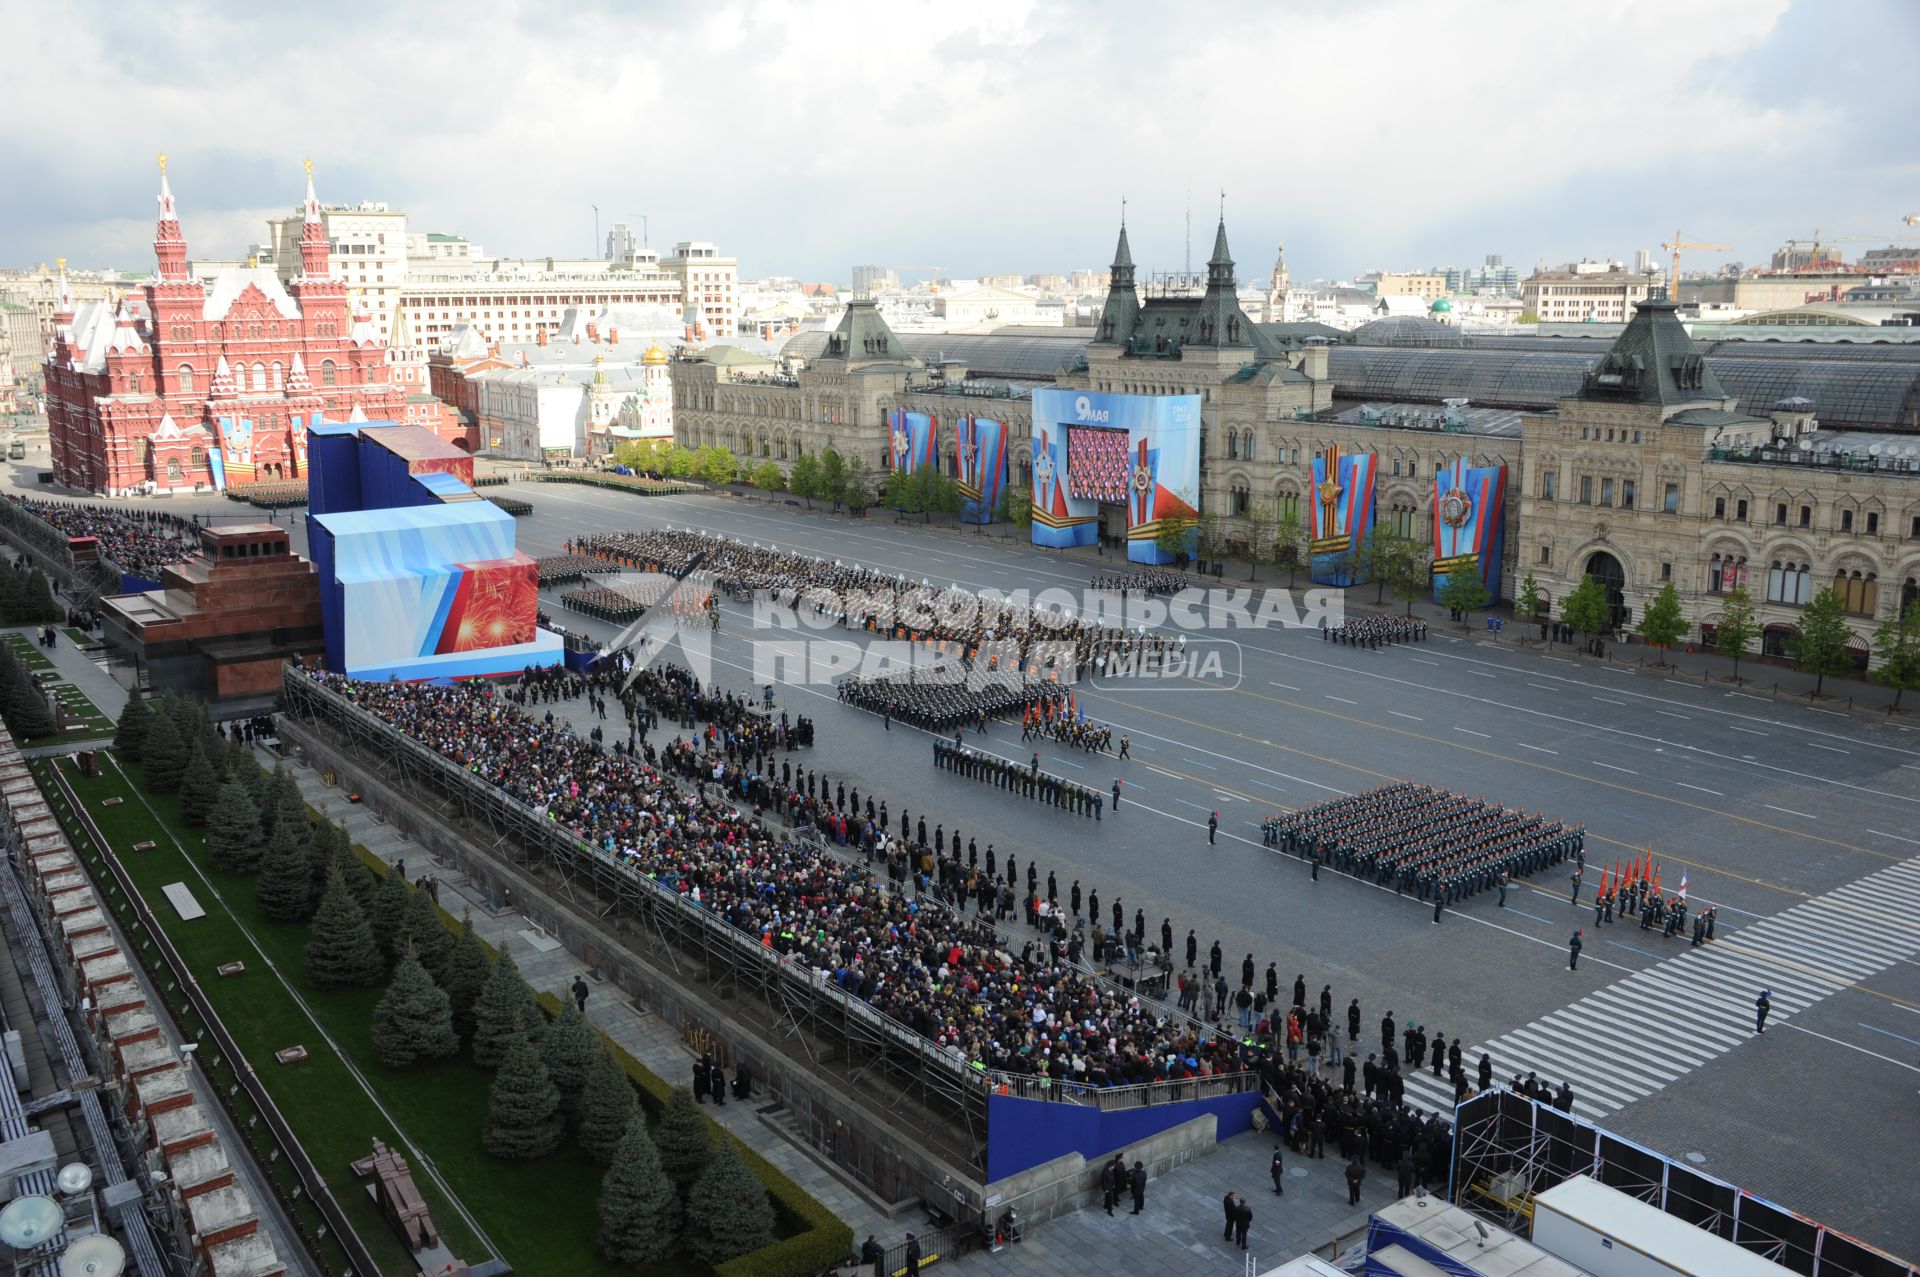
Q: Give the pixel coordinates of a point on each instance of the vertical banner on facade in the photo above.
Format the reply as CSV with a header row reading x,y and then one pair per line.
x,y
1138,452
235,451
912,443
1342,522
982,453
1469,524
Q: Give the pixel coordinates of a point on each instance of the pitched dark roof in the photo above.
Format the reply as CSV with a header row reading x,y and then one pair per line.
x,y
1653,361
863,337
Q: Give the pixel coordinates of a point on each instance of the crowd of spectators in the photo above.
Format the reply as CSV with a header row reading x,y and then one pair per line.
x,y
139,541
914,958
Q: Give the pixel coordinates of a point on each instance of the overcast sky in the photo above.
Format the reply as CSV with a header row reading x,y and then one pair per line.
x,y
980,136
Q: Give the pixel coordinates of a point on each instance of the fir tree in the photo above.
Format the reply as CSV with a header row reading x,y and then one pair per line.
x,y
639,1214
341,953
359,879
233,830
607,1105
25,703
131,731
40,604
523,1111
288,804
569,1049
686,1141
428,935
319,855
505,1011
414,1021
283,889
199,788
163,754
468,966
389,914
728,1213
239,762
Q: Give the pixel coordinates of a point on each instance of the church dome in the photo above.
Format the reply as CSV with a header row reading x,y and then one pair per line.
x,y
1407,330
654,355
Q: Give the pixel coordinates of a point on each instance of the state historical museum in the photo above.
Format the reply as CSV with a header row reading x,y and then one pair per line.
x,y
213,384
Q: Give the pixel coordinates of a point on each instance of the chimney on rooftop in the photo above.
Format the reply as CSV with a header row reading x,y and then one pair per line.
x,y
543,337
613,335
593,332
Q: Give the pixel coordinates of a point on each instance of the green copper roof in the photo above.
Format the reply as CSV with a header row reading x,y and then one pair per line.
x,y
1653,361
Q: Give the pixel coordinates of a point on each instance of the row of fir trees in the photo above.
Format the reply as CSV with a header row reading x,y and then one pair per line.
x,y
23,702
445,991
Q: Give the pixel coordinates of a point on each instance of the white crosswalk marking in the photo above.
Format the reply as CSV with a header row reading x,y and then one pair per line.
x,y
1622,1043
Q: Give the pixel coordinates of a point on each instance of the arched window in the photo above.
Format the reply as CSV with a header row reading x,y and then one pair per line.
x,y
199,459
327,377
1909,592
1233,445
276,383
259,376
173,471
186,379
133,382
1789,582
1859,592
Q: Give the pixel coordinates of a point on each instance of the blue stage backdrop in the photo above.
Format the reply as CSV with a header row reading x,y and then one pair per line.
x,y
1342,510
1090,449
983,467
1469,524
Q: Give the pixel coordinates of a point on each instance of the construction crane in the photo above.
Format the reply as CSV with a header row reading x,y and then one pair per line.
x,y
1912,219
1679,242
933,278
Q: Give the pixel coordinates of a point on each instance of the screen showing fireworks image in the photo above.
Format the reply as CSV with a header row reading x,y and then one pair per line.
x,y
1096,464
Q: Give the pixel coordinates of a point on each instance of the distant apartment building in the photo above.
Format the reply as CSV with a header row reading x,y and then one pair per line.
x,y
868,280
710,285
1586,292
1430,287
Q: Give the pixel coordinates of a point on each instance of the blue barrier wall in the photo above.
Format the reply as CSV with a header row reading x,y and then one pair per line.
x,y
1023,1134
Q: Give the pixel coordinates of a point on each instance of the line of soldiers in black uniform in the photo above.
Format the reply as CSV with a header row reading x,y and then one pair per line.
x,y
1433,843
603,603
1372,631
933,706
1141,582
1028,782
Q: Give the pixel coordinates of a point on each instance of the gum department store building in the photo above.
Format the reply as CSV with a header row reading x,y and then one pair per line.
x,y
1640,460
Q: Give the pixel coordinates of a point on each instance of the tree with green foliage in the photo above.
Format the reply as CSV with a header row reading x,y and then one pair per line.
x,y
767,477
414,1021
199,788
1408,576
233,830
728,1214
341,953
719,465
1585,610
639,1211
804,480
1289,542
1819,643
164,755
288,803
1019,505
237,762
1663,624
1464,593
833,477
388,913
284,889
568,1049
346,862
1175,539
426,932
607,1104
1209,539
1261,521
1381,557
130,733
13,597
40,603
685,1138
681,463
505,1011
1529,607
22,700
523,1109
856,487
1737,628
1897,643
468,967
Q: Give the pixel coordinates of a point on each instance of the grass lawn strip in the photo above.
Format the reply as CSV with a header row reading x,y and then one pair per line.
x,y
32,657
265,1018
540,1215
80,637
330,1107
84,711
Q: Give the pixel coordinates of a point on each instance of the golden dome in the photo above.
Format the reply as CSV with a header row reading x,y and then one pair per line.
x,y
654,355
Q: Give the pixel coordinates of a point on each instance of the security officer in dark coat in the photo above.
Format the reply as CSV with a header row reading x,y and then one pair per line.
x,y
1137,1183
